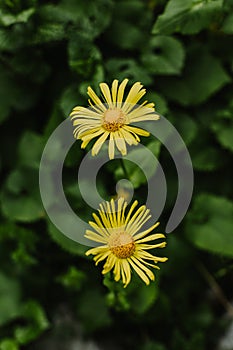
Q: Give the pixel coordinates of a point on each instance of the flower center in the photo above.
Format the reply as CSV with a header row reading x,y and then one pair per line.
x,y
122,245
113,119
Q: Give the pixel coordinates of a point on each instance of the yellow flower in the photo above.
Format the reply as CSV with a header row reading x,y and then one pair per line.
x,y
122,245
112,118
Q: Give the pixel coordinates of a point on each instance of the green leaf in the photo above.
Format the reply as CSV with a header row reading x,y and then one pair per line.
x,y
67,244
69,99
223,129
147,160
187,17
22,242
7,19
186,126
126,67
165,55
83,56
141,299
10,294
37,323
93,311
8,344
133,37
21,208
30,149
207,159
209,224
194,87
227,26
73,278
14,93
15,181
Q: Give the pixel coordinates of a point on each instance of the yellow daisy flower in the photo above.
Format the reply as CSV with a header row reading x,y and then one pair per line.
x,y
112,118
122,245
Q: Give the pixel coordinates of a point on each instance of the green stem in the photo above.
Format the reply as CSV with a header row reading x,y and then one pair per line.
x,y
124,168
217,290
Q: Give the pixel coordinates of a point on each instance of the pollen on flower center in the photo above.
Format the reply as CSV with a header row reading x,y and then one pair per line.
x,y
122,245
113,119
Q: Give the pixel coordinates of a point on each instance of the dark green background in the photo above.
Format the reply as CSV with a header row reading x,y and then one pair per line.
x,y
49,53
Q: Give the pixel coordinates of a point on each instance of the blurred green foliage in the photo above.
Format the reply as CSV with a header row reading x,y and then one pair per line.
x,y
182,51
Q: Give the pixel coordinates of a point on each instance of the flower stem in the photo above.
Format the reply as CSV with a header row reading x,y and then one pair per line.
x,y
124,169
217,290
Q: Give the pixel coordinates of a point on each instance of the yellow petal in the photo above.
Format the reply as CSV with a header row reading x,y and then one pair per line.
x,y
114,90
133,206
95,131
95,237
137,131
110,263
111,147
120,143
117,270
140,273
101,231
150,238
99,143
102,256
97,250
106,92
144,233
144,268
126,267
121,90
129,138
95,98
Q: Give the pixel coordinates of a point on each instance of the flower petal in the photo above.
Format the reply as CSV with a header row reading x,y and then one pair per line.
x,y
114,91
111,147
99,143
106,92
121,90
120,143
95,99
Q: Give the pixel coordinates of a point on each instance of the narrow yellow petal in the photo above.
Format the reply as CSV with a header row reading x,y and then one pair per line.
x,y
101,231
110,263
113,210
96,250
152,246
150,238
120,204
91,133
133,92
144,268
99,143
95,98
95,237
106,92
103,255
111,147
146,262
126,267
114,91
144,233
137,222
121,91
104,218
129,138
117,270
137,131
110,215
133,206
140,273
120,143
